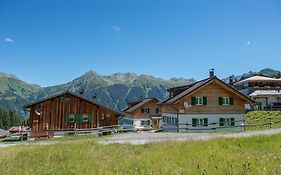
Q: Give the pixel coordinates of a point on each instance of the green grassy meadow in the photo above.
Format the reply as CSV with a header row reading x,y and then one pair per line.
x,y
256,118
82,155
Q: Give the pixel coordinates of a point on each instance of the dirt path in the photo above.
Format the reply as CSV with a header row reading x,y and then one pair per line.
x,y
146,137
8,144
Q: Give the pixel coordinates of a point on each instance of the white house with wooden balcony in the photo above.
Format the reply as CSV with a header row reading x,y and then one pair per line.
x,y
143,114
264,90
206,105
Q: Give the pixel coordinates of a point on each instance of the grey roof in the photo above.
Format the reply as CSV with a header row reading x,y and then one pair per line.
x,y
258,78
265,93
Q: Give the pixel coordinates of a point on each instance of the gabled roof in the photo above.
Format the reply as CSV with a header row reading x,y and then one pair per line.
x,y
258,78
138,104
72,94
200,84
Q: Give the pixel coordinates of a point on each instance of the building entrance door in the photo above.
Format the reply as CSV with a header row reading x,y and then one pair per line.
x,y
155,124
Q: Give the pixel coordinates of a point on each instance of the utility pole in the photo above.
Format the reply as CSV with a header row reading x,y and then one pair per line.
x,y
178,122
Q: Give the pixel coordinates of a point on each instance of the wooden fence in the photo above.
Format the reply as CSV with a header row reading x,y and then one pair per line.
x,y
189,127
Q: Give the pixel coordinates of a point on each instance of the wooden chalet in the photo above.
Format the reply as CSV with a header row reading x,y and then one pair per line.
x,y
68,111
206,105
144,113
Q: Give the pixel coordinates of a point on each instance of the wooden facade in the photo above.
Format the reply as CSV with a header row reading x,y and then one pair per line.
x,y
211,91
154,110
206,105
67,111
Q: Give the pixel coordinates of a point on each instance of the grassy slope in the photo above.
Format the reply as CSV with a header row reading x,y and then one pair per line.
x,y
261,117
254,155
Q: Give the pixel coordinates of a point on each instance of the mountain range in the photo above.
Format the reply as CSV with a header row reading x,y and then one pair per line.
x,y
113,91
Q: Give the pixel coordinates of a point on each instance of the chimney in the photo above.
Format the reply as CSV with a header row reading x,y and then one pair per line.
x,y
231,80
81,92
212,73
94,97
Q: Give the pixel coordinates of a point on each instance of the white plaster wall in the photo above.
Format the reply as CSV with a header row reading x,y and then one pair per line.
x,y
185,121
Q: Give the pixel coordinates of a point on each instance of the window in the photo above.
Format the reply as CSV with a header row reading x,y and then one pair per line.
x,y
199,100
102,117
108,116
164,118
157,110
227,122
71,118
145,122
85,118
199,122
225,101
145,110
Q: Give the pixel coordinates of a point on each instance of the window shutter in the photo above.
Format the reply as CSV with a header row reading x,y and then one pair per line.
x,y
80,118
77,118
148,110
205,101
142,110
194,122
205,121
220,100
193,100
231,100
90,117
66,118
232,121
221,121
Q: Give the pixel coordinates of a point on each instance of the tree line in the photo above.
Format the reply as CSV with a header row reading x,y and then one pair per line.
x,y
9,119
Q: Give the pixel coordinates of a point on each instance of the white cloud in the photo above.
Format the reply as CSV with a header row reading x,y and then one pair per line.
x,y
116,28
8,40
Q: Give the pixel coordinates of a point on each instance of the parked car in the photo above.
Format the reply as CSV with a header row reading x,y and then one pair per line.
x,y
273,106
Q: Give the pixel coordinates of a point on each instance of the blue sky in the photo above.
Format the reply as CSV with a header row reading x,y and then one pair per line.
x,y
54,41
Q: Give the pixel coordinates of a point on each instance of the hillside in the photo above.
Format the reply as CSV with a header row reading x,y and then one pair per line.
x,y
112,91
14,93
115,90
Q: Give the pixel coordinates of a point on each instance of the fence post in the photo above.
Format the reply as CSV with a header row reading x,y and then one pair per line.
x,y
244,121
270,122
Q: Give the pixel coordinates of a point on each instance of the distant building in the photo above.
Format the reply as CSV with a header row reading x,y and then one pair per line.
x,y
143,114
206,105
264,90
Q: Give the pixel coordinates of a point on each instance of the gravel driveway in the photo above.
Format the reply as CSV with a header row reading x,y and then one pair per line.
x,y
146,137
